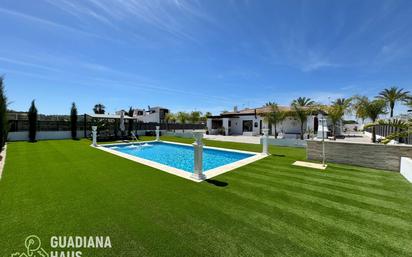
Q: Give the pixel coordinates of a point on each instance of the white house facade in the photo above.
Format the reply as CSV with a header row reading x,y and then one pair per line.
x,y
250,122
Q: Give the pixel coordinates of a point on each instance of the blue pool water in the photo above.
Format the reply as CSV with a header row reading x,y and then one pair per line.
x,y
179,156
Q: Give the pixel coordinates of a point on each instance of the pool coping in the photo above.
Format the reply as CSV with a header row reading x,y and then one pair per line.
x,y
179,172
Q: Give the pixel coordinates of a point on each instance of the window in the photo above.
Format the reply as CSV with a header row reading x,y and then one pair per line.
x,y
247,126
230,124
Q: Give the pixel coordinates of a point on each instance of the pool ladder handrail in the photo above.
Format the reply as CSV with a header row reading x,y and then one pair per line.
x,y
134,136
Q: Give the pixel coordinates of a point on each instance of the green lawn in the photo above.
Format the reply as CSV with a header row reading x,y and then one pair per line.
x,y
268,208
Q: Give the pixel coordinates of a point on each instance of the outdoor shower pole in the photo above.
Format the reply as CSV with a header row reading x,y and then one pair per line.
x,y
265,149
323,142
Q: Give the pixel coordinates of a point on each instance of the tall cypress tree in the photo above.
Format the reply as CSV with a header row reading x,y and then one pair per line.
x,y
73,120
130,114
3,115
32,122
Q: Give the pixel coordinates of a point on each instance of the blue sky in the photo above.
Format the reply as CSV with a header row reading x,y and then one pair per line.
x,y
200,55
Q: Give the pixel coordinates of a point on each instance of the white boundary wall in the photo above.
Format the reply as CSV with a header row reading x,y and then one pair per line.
x,y
180,133
406,168
45,135
42,135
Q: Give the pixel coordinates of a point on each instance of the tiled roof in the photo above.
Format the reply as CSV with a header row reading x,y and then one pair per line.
x,y
259,110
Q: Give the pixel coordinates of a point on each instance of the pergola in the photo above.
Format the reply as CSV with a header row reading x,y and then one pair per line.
x,y
110,116
111,122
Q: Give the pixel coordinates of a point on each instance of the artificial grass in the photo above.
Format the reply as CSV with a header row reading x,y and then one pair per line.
x,y
268,208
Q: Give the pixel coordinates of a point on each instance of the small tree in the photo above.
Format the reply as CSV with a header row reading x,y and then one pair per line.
x,y
32,115
358,106
194,117
373,109
337,110
274,116
182,118
301,109
73,121
403,128
130,127
169,117
203,118
335,113
3,115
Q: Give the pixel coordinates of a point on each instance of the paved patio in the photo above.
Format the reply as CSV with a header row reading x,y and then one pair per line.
x,y
357,137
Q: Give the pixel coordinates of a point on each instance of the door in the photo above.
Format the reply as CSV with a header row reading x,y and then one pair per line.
x,y
315,125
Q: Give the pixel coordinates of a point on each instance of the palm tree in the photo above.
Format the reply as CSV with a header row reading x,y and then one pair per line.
x,y
335,113
182,118
358,106
99,109
274,116
403,128
301,108
194,117
408,101
372,110
337,110
205,116
344,102
303,101
393,95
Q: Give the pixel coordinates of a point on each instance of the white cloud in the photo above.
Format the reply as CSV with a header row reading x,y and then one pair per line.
x,y
45,22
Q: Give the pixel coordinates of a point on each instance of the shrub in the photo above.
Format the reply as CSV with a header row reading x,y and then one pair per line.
x,y
32,122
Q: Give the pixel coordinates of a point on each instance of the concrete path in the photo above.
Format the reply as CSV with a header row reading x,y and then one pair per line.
x,y
356,137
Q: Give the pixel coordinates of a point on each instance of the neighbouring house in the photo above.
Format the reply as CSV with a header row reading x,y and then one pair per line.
x,y
152,115
250,122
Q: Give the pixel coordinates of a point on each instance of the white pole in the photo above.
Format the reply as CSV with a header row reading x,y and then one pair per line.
x,y
157,133
323,142
94,132
198,155
265,149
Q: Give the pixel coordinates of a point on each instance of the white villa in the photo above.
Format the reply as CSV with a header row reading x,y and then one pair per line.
x,y
249,122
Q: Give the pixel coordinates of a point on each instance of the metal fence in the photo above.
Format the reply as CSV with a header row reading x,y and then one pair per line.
x,y
23,125
385,130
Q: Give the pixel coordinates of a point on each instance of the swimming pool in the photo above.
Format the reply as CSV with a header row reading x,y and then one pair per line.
x,y
178,159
